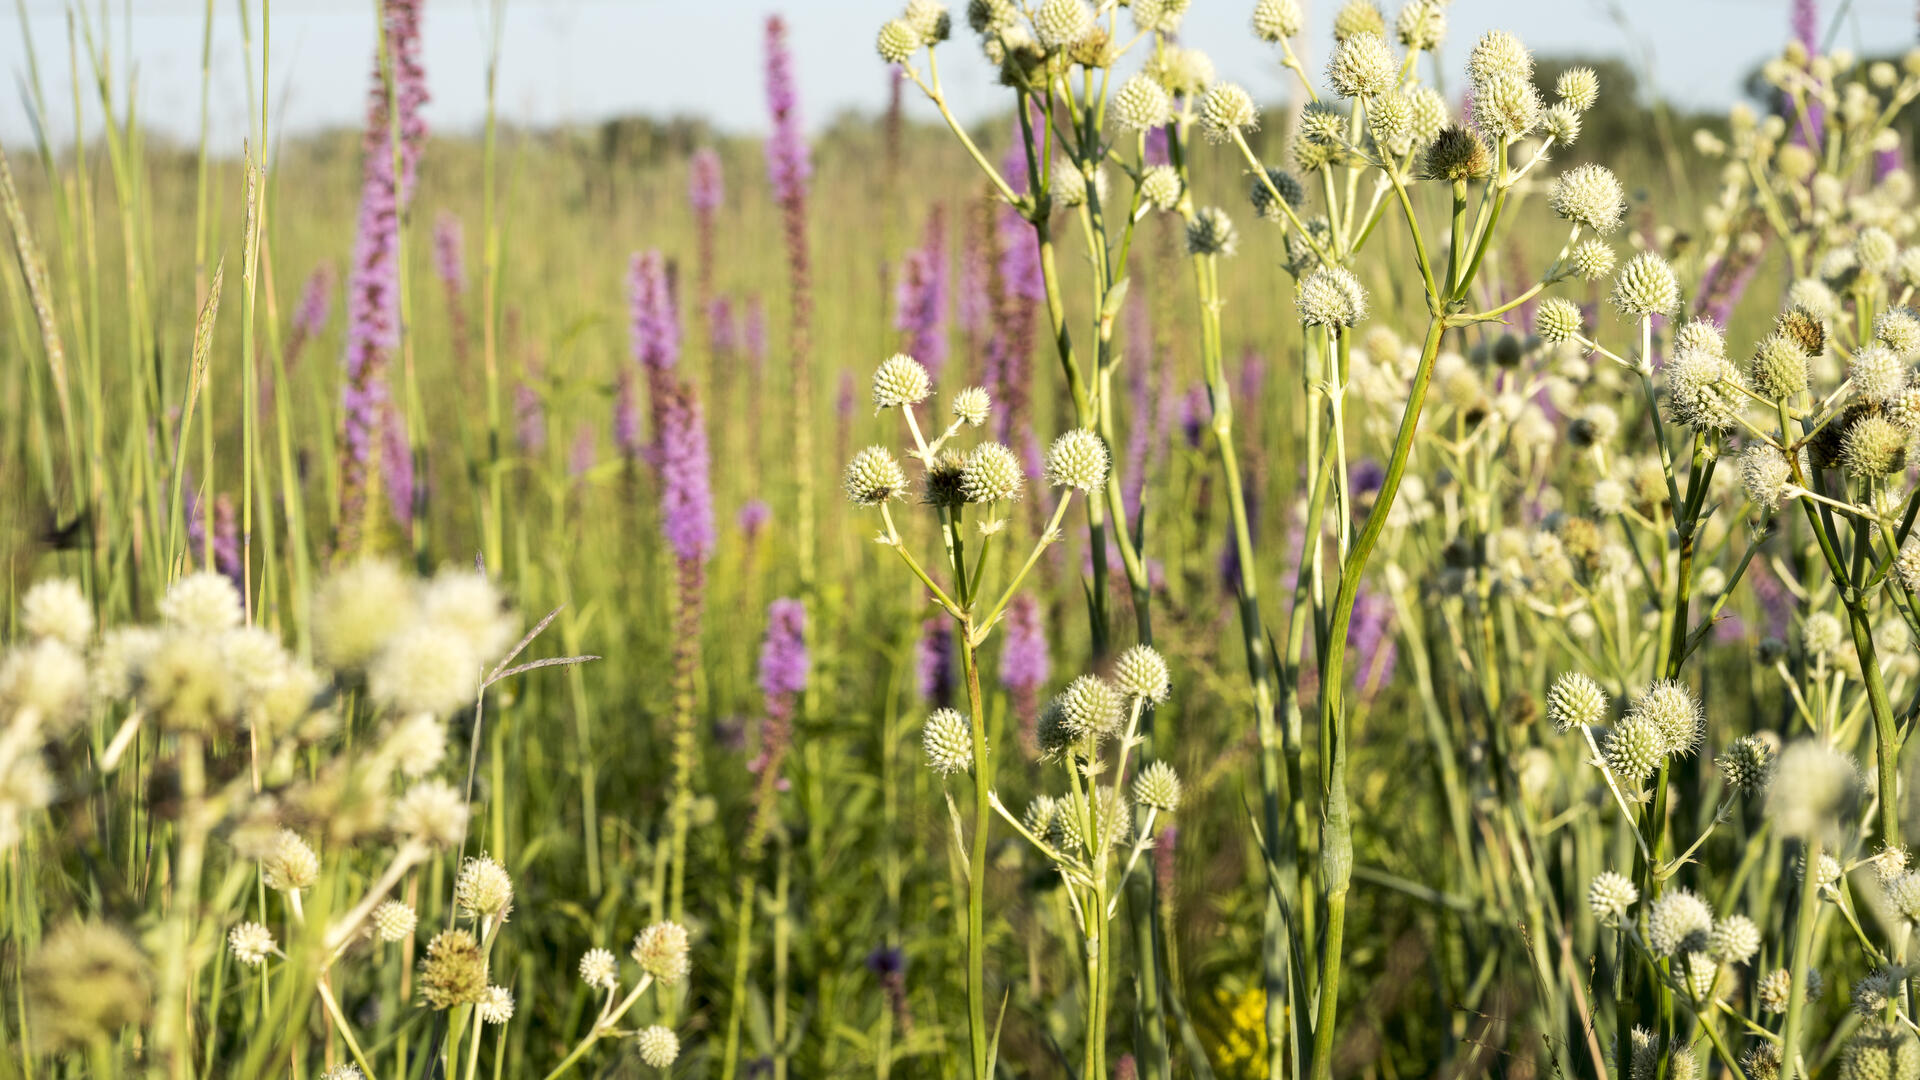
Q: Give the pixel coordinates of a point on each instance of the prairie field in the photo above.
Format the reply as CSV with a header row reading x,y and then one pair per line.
x,y
1407,579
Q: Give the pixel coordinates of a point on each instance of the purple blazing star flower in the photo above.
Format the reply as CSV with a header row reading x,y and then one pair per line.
x,y
936,662
686,500
784,662
920,312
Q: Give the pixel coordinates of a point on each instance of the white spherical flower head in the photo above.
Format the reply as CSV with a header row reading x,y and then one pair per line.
x,y
203,602
1875,250
1877,374
1498,54
357,609
1591,196
1896,328
899,381
1062,23
1363,66
1507,106
1160,187
661,950
394,921
972,405
1562,124
1421,24
1705,390
1090,706
929,19
1646,286
495,1006
1331,296
1610,896
1157,786
431,813
898,41
1142,103
1575,701
426,668
1591,260
948,740
1211,232
1670,707
992,474
251,943
658,1046
56,609
599,969
1634,750
1558,319
484,889
291,865
873,477
1578,87
1700,335
1679,921
416,745
47,678
1814,789
1277,20
1226,110
1077,459
1734,940
1141,674
1907,564
1764,474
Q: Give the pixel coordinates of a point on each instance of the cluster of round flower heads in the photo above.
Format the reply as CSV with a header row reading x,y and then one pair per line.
x,y
1679,924
1332,297
1663,722
1704,389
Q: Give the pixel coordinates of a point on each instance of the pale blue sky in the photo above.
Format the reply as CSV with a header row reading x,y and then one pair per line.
x,y
570,60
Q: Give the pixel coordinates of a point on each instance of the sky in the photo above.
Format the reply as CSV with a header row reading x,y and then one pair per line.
x,y
568,61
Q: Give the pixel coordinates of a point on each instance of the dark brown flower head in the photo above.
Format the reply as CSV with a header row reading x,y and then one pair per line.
x,y
1458,154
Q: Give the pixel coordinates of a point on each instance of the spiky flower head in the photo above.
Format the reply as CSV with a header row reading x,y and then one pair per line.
x,y
1678,920
495,1006
1697,972
483,889
1157,786
57,610
431,813
1898,329
1823,634
992,474
1331,296
1498,54
354,612
1646,286
1457,154
1903,892
1226,109
948,739
251,943
1358,17
898,41
1804,328
346,1070
1211,232
900,380
1762,1061
1578,87
1077,459
1562,124
1159,16
291,865
1142,103
203,602
1747,764
599,969
1091,706
394,921
1141,673
1277,20
1421,24
873,477
1882,986
1062,23
1779,367
1875,250
1734,940
1675,713
661,950
972,405
1262,192
1877,373
426,668
658,1046
1363,66
1070,184
929,19
1610,895
1874,446
1160,187
1391,122
1880,1051
1775,989
1184,72
1814,296
1558,319
454,971
1506,106
1704,390
1590,195
84,982
1575,700
1634,749
1429,114
1814,789
1591,259
48,678
1907,564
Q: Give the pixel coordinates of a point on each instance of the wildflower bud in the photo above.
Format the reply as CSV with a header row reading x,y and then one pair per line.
x,y
1876,990
1674,712
1775,991
1591,260
1874,446
425,668
1875,250
1262,192
930,20
991,474
1062,23
454,972
599,969
1678,921
205,602
1159,16
1634,749
394,921
1185,72
1907,563
49,678
1421,24
1877,373
1363,66
251,943
1896,328
1815,297
1779,368
1696,973
1457,154
972,405
354,613
1575,700
948,738
1764,473
898,41
1591,196
1814,787
1907,268
1498,54
1558,319
495,1006
1734,940
1562,124
1157,786
1880,1049
1578,87
1507,106
661,951
1429,114
1644,1058
1077,459
873,477
1277,20
1646,286
1358,17
346,1070
1227,109
1890,863
899,381
57,610
1090,706
291,866
1211,232
1390,120
483,889
1113,816
1610,895
1762,1061
1141,673
1160,187
1066,830
1038,818
431,813
1904,893
1142,103
658,1046
1705,390
1331,296
988,17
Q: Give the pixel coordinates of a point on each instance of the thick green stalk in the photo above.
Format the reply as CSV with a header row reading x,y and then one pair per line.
x,y
977,1035
1803,935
